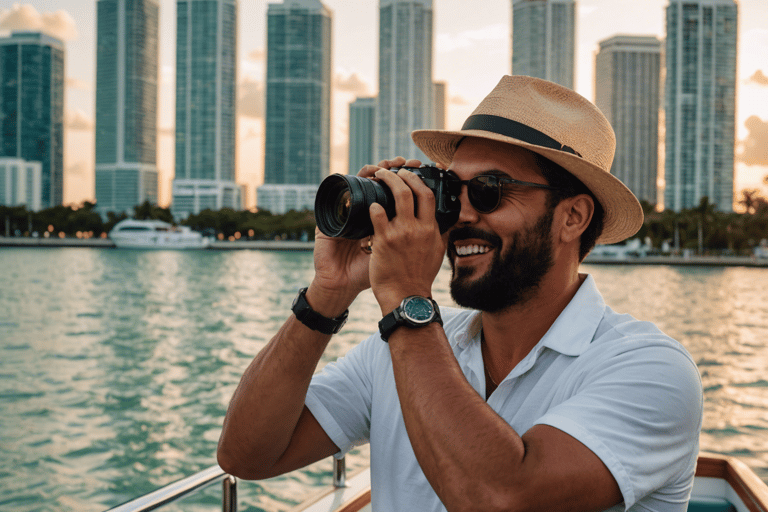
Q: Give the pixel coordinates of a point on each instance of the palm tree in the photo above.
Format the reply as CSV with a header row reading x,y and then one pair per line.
x,y
749,199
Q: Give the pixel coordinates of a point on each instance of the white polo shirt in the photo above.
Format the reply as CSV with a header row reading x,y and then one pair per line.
x,y
620,386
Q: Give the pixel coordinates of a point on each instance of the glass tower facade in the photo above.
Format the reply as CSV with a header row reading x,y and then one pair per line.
x,y
544,39
298,113
405,76
32,107
362,123
700,103
628,91
126,104
206,56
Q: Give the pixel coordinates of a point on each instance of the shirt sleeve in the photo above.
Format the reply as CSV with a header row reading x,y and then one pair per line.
x,y
340,396
639,409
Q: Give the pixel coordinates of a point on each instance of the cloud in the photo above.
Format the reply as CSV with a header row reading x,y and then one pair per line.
x,y
458,100
758,78
352,84
755,146
25,17
76,83
78,120
493,34
77,169
251,134
250,99
257,55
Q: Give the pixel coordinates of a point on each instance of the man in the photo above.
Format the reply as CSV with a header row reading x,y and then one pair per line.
x,y
540,397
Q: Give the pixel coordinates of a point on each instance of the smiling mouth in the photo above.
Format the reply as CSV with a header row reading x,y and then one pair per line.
x,y
471,249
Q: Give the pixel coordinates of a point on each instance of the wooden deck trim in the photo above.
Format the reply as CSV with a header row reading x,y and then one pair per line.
x,y
357,503
752,491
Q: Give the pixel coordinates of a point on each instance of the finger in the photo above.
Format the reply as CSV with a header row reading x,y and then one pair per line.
x,y
413,163
400,191
398,161
368,171
425,197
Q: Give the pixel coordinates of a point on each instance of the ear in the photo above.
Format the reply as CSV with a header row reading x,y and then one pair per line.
x,y
577,212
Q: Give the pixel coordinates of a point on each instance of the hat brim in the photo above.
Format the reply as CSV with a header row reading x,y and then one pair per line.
x,y
623,215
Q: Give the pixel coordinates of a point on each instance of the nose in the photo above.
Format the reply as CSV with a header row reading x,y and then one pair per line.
x,y
468,214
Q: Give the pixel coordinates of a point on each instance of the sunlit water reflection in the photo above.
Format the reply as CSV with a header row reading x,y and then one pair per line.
x,y
116,366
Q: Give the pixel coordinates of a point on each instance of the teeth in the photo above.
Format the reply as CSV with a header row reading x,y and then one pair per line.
x,y
467,250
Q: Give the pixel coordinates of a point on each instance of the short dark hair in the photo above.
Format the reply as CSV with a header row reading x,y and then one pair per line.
x,y
567,185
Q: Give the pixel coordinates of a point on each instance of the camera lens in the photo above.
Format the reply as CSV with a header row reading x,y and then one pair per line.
x,y
341,205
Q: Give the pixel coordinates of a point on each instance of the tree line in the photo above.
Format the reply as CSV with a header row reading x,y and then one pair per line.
x,y
68,221
703,229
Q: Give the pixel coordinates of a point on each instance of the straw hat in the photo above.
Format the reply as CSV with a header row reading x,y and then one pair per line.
x,y
558,124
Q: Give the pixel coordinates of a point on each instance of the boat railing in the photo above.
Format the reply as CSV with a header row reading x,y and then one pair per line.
x,y
192,484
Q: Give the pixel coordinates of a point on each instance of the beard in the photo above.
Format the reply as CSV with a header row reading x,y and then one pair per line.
x,y
514,275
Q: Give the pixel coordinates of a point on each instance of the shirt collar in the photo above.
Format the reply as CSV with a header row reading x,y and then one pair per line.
x,y
573,331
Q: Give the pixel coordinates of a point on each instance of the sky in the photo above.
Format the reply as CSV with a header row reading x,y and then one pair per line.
x,y
472,50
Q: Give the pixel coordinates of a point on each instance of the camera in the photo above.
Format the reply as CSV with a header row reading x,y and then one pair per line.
x,y
342,201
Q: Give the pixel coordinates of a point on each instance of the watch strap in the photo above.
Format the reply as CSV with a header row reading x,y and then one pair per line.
x,y
314,320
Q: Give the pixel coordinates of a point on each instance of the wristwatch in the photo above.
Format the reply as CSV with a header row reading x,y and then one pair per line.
x,y
414,311
314,320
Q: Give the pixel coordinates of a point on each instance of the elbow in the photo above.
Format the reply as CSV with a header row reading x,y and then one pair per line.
x,y
233,462
230,464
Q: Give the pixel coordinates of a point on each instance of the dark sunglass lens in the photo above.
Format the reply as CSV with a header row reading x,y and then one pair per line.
x,y
484,193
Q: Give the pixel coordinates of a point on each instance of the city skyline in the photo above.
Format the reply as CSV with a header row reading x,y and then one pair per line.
x,y
461,35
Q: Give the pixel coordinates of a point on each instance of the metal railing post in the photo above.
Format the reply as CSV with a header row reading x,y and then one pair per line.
x,y
339,472
229,494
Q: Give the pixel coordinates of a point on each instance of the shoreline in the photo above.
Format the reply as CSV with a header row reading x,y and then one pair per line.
x,y
295,245
106,243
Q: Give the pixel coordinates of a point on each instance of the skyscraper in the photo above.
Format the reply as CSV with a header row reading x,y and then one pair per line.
x,y
126,104
405,76
628,91
298,117
32,109
206,55
700,97
544,39
362,125
21,183
438,105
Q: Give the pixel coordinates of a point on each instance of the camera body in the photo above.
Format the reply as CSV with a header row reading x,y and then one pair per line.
x,y
342,201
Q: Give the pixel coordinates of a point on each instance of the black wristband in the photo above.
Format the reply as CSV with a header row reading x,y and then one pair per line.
x,y
314,320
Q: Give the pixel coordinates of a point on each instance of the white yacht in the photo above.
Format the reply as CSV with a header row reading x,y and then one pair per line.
x,y
155,234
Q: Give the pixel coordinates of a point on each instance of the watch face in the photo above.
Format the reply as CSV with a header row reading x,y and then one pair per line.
x,y
418,310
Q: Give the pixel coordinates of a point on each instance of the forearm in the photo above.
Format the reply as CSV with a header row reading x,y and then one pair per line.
x,y
468,453
268,402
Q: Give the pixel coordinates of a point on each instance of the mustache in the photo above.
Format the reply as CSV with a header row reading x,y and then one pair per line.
x,y
466,232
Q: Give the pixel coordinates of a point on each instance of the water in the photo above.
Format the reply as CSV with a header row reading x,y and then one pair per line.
x,y
116,367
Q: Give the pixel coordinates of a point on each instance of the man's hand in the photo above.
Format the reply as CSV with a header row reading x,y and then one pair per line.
x,y
341,267
408,249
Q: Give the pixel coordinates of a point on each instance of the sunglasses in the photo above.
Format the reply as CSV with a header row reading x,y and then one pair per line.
x,y
485,191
